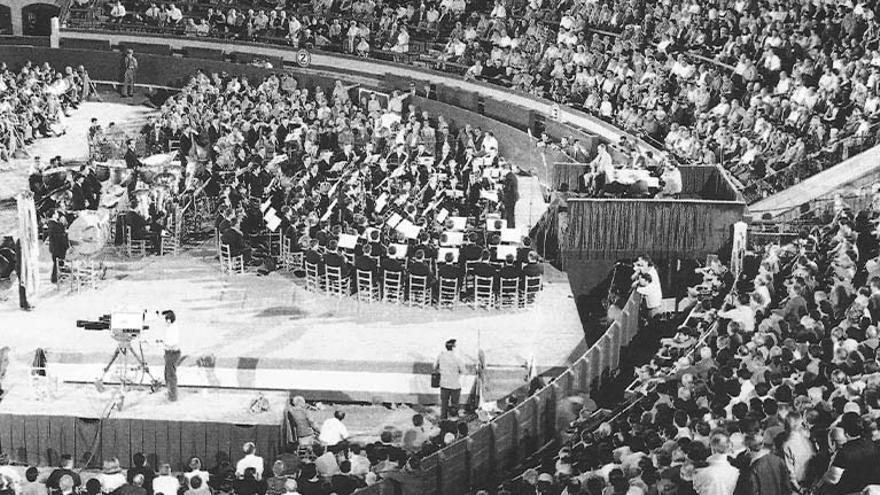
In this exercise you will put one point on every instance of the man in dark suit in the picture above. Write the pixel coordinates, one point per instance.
(332, 258)
(510, 196)
(58, 242)
(234, 238)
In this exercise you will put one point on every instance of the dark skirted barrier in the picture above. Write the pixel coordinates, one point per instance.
(626, 228)
(40, 440)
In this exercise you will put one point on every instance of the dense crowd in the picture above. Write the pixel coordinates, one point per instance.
(772, 91)
(769, 386)
(325, 464)
(33, 101)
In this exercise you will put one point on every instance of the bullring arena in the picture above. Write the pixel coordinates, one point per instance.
(388, 252)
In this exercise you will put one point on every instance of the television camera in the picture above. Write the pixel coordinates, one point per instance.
(125, 328)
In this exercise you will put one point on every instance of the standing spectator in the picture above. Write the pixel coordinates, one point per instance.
(298, 428)
(450, 367)
(172, 355)
(250, 460)
(333, 431)
(129, 71)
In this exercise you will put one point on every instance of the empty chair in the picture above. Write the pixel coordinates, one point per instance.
(508, 293)
(86, 274)
(419, 294)
(367, 290)
(230, 263)
(170, 243)
(530, 288)
(335, 283)
(134, 247)
(392, 286)
(63, 271)
(484, 291)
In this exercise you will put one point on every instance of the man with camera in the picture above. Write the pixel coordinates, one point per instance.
(172, 353)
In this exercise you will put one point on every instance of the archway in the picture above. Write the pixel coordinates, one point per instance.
(36, 19)
(5, 19)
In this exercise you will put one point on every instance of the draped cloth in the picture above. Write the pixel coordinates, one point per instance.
(30, 243)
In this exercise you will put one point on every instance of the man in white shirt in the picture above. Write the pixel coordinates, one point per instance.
(450, 367)
(719, 477)
(165, 483)
(172, 353)
(118, 12)
(250, 460)
(333, 431)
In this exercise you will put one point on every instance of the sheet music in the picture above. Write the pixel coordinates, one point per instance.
(381, 202)
(442, 214)
(510, 236)
(459, 223)
(400, 251)
(503, 250)
(347, 241)
(452, 239)
(489, 195)
(272, 220)
(265, 205)
(408, 229)
(393, 220)
(441, 254)
(495, 224)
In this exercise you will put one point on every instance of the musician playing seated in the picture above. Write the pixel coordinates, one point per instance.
(234, 238)
(449, 269)
(419, 268)
(313, 255)
(390, 264)
(511, 269)
(533, 268)
(470, 250)
(333, 258)
(365, 263)
(483, 268)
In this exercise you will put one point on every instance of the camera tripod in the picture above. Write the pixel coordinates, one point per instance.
(133, 368)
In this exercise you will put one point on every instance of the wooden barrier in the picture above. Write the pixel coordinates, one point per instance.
(486, 456)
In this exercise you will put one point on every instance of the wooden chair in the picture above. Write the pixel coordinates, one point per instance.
(392, 287)
(484, 292)
(530, 288)
(229, 263)
(448, 292)
(134, 247)
(291, 260)
(418, 294)
(367, 290)
(314, 282)
(508, 293)
(335, 283)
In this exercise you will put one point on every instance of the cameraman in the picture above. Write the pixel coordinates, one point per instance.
(172, 353)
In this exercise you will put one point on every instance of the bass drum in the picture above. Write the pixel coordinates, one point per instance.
(89, 233)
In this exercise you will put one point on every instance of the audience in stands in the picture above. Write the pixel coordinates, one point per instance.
(33, 102)
(773, 92)
(768, 386)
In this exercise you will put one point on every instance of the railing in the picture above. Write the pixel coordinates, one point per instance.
(490, 453)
